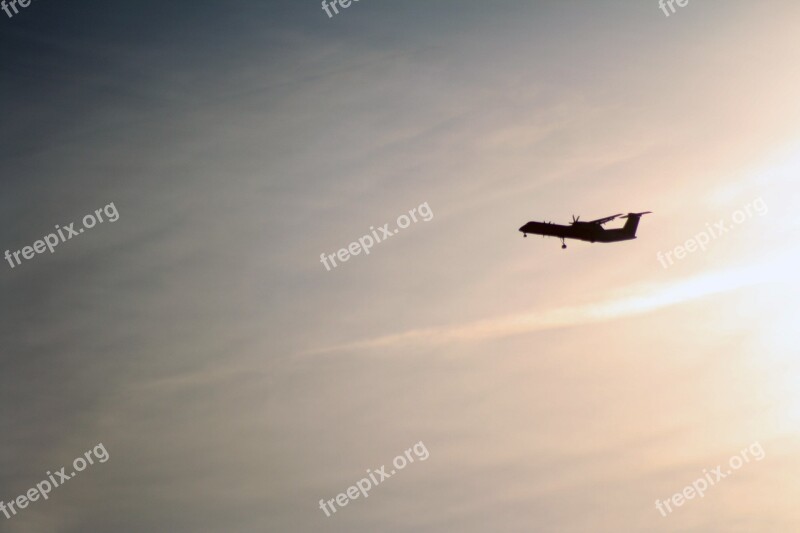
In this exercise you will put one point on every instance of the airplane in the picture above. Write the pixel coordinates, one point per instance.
(592, 231)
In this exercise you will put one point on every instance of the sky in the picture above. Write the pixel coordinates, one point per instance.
(235, 380)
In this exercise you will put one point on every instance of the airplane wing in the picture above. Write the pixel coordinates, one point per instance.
(601, 221)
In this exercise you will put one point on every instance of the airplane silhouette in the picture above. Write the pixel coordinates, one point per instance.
(586, 231)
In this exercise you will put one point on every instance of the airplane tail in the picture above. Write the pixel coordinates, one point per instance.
(632, 224)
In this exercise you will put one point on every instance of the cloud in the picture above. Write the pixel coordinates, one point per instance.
(651, 298)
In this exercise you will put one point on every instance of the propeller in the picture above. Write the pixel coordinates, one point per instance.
(575, 219)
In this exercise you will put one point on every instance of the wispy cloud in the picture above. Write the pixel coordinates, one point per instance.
(651, 297)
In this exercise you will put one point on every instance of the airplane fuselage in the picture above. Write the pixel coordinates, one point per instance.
(580, 231)
(586, 231)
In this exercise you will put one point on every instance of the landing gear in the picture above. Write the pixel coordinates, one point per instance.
(524, 234)
(563, 244)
